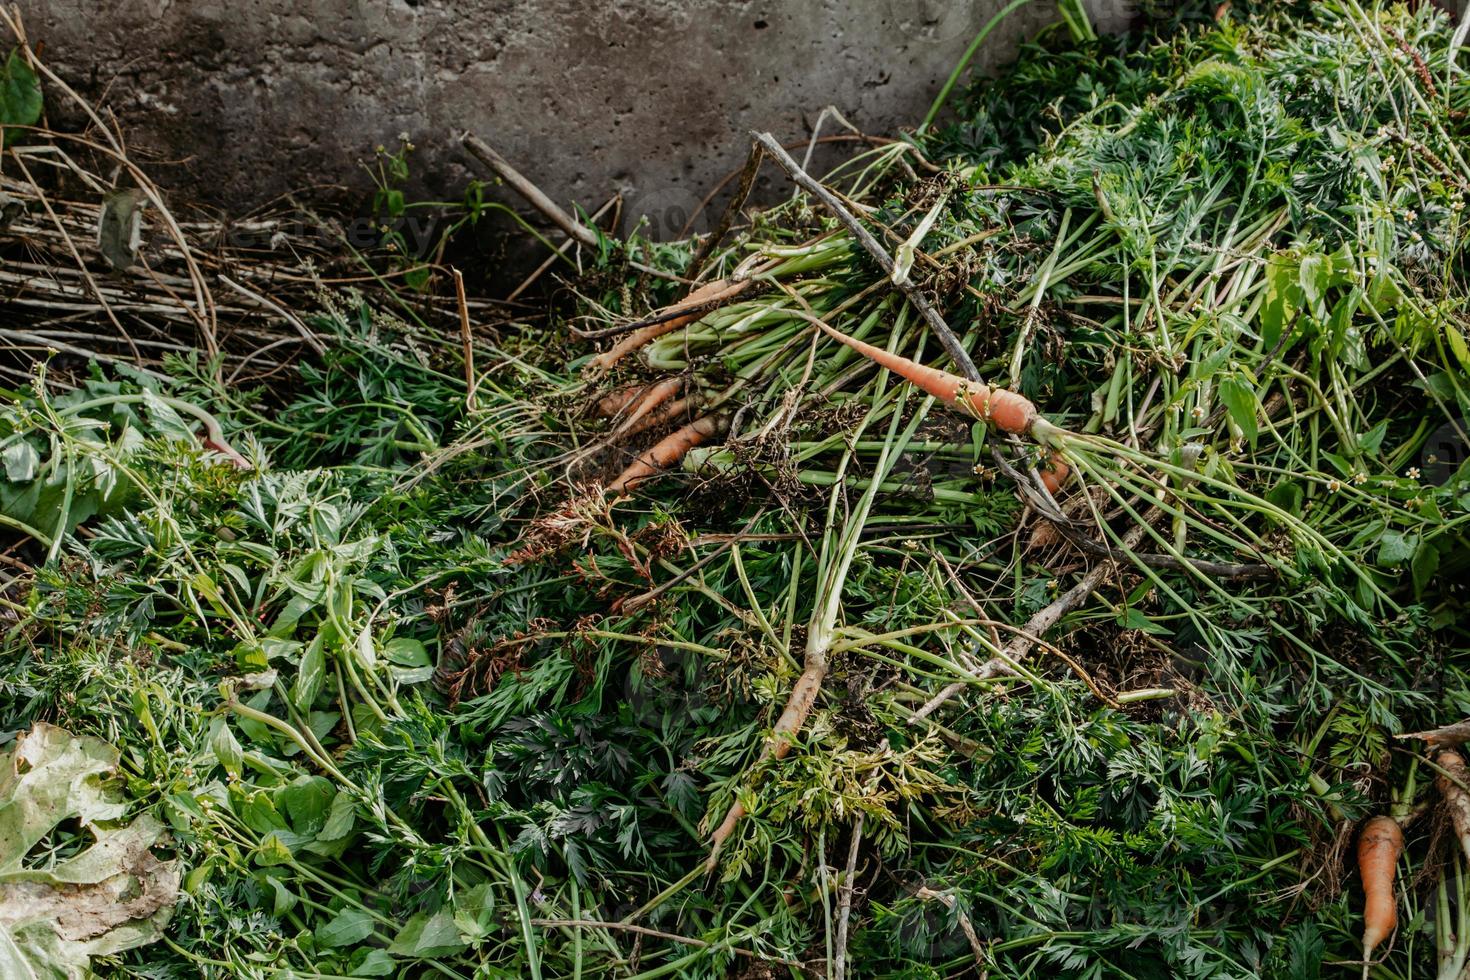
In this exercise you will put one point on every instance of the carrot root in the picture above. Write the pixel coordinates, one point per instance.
(1004, 409)
(701, 299)
(667, 452)
(618, 400)
(653, 396)
(798, 708)
(1457, 801)
(1379, 846)
(1054, 473)
(653, 419)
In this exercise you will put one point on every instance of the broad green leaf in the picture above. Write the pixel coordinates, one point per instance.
(1240, 401)
(1396, 547)
(20, 94)
(428, 936)
(310, 675)
(367, 654)
(1284, 297)
(258, 810)
(1456, 341)
(474, 912)
(1425, 565)
(1288, 495)
(339, 818)
(1313, 276)
(226, 747)
(21, 461)
(377, 963)
(305, 802)
(406, 652)
(345, 928)
(1134, 619)
(285, 899)
(272, 851)
(1371, 441)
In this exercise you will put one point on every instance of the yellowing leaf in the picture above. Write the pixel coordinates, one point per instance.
(109, 896)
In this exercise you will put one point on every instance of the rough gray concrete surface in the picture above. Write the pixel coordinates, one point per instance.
(238, 101)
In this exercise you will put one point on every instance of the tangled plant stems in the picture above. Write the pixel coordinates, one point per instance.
(699, 641)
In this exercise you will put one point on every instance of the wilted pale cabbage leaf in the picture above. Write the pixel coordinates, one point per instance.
(59, 907)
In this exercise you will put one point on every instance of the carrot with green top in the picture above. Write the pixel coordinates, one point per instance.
(1006, 410)
(694, 306)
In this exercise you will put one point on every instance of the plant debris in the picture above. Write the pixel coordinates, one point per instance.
(666, 629)
(63, 901)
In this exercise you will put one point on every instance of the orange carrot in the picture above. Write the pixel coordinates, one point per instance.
(617, 400)
(1054, 473)
(664, 414)
(667, 452)
(798, 706)
(653, 396)
(699, 302)
(1004, 409)
(1379, 847)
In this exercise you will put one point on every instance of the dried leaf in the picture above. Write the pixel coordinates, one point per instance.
(110, 896)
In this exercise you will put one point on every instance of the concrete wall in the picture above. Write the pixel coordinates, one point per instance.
(250, 98)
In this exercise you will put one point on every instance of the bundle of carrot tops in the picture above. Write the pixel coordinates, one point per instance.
(1037, 547)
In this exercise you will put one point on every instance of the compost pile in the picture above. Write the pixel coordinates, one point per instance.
(674, 636)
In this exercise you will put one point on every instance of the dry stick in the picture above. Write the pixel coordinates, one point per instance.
(466, 338)
(306, 335)
(931, 316)
(1077, 668)
(559, 252)
(1449, 735)
(924, 893)
(206, 316)
(76, 256)
(1038, 624)
(533, 194)
(727, 217)
(724, 181)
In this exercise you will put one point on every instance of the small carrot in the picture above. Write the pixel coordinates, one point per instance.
(652, 397)
(667, 452)
(799, 705)
(1054, 473)
(617, 400)
(665, 413)
(698, 303)
(1004, 409)
(1379, 846)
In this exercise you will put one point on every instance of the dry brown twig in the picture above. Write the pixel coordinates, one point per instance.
(1449, 735)
(930, 315)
